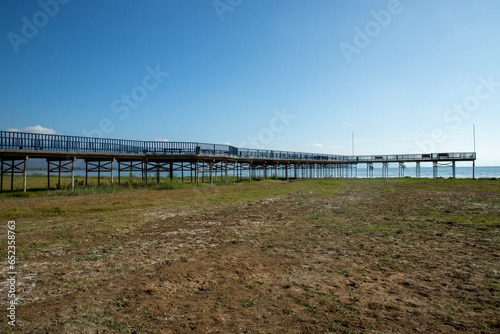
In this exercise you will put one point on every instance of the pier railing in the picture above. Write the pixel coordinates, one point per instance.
(45, 142)
(412, 157)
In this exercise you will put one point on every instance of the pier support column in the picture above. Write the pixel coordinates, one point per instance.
(225, 169)
(112, 170)
(24, 173)
(182, 172)
(98, 174)
(14, 168)
(119, 172)
(73, 174)
(453, 169)
(211, 170)
(402, 169)
(157, 172)
(197, 172)
(90, 166)
(434, 169)
(216, 169)
(235, 171)
(142, 171)
(385, 169)
(203, 172)
(12, 176)
(59, 175)
(417, 169)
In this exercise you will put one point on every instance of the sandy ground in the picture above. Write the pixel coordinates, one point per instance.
(354, 257)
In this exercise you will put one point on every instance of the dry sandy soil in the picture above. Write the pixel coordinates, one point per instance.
(321, 256)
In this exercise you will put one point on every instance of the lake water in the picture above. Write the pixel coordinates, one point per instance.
(460, 172)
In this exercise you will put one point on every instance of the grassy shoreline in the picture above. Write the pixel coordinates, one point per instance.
(37, 184)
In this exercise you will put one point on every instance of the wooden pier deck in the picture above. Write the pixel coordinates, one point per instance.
(192, 159)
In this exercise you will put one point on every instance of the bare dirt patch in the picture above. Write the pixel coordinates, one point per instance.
(354, 256)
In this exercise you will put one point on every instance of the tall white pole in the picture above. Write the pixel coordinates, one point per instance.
(474, 136)
(474, 161)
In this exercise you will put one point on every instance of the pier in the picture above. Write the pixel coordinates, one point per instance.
(200, 162)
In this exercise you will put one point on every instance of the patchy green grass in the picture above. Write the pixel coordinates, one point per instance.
(332, 255)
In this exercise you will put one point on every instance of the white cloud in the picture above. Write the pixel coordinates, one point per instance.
(336, 146)
(318, 145)
(348, 124)
(36, 129)
(159, 139)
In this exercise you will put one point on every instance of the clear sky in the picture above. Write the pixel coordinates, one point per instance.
(404, 76)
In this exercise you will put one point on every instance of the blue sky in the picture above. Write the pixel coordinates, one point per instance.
(404, 76)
